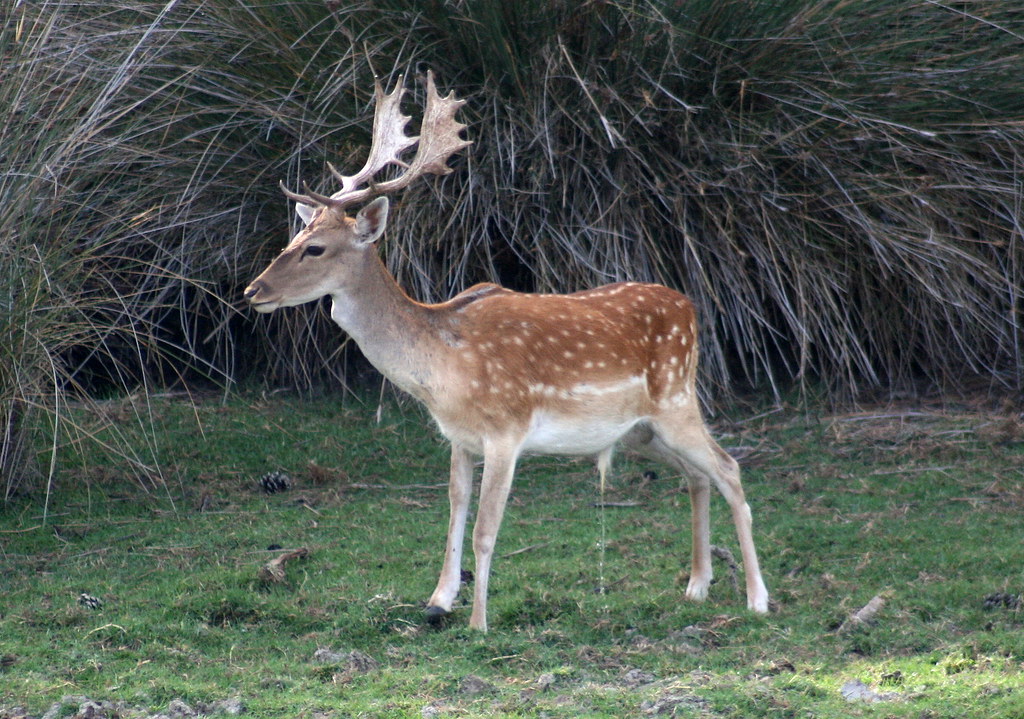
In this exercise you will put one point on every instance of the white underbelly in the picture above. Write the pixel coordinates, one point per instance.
(583, 419)
(553, 434)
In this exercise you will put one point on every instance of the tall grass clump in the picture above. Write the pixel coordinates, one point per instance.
(103, 284)
(141, 146)
(836, 184)
(67, 304)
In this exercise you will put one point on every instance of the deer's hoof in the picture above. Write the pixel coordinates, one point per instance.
(436, 615)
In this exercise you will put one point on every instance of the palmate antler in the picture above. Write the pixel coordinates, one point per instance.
(438, 140)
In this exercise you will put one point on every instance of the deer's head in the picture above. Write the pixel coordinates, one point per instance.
(326, 255)
(322, 259)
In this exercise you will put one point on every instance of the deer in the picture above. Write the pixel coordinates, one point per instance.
(503, 373)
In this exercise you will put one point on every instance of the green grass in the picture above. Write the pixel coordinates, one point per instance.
(923, 507)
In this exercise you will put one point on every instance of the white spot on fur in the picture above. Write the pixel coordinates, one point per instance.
(680, 399)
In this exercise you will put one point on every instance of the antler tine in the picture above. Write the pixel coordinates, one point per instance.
(310, 198)
(316, 196)
(304, 199)
(439, 139)
(388, 143)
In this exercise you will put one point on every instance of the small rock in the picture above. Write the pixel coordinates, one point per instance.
(179, 709)
(472, 685)
(691, 631)
(687, 640)
(231, 707)
(430, 711)
(667, 704)
(56, 710)
(361, 663)
(858, 691)
(326, 656)
(90, 709)
(637, 677)
(354, 662)
(546, 681)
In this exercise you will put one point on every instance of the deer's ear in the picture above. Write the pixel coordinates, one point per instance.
(371, 221)
(305, 212)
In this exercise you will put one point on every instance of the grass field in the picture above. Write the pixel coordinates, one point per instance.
(919, 506)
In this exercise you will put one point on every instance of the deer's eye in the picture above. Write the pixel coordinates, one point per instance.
(313, 251)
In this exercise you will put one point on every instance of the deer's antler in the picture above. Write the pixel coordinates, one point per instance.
(438, 140)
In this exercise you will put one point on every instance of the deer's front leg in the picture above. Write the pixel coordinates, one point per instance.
(460, 491)
(499, 466)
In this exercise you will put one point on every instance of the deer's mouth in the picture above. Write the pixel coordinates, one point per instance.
(264, 306)
(256, 295)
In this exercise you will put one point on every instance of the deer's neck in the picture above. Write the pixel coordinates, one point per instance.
(394, 332)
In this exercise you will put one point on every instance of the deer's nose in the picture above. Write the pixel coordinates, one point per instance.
(252, 290)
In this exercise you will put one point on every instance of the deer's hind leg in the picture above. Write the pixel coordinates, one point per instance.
(680, 438)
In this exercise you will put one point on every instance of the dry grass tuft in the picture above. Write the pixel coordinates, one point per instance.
(836, 184)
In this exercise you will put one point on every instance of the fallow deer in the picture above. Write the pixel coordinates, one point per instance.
(507, 373)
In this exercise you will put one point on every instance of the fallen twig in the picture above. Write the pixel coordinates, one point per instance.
(273, 571)
(362, 485)
(863, 616)
(525, 549)
(726, 556)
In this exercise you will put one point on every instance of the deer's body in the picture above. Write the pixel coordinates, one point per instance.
(566, 373)
(506, 373)
(559, 374)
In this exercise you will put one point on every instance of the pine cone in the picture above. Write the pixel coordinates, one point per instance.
(90, 602)
(274, 482)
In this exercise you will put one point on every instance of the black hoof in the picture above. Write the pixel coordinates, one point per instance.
(436, 615)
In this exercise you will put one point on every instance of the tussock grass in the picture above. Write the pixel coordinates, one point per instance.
(128, 155)
(73, 301)
(836, 184)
